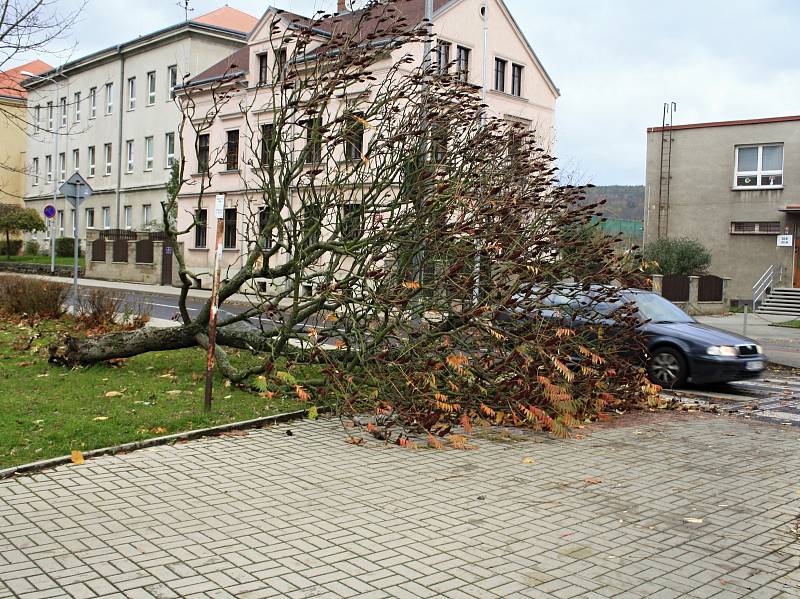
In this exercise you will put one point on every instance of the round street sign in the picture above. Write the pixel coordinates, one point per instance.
(49, 211)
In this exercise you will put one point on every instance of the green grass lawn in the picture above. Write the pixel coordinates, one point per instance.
(48, 411)
(792, 324)
(37, 259)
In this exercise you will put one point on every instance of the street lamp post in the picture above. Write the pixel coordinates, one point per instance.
(53, 166)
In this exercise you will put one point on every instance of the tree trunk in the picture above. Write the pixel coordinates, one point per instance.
(73, 351)
(8, 246)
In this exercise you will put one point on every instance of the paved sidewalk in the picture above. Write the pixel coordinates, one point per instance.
(782, 344)
(307, 515)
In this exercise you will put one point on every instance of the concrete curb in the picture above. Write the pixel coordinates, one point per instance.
(34, 467)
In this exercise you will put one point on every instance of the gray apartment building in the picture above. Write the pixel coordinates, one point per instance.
(734, 186)
(111, 117)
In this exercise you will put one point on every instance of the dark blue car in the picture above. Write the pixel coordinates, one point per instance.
(679, 348)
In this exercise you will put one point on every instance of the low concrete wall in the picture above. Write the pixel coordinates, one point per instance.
(131, 271)
(40, 269)
(694, 306)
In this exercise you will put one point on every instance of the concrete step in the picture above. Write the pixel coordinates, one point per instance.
(779, 312)
(777, 301)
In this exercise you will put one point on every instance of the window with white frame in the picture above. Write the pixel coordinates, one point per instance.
(106, 217)
(90, 159)
(107, 156)
(62, 110)
(62, 166)
(147, 215)
(48, 167)
(151, 88)
(109, 98)
(38, 117)
(500, 74)
(89, 218)
(169, 147)
(759, 166)
(93, 103)
(462, 63)
(129, 156)
(172, 80)
(443, 57)
(77, 100)
(132, 93)
(60, 222)
(148, 153)
(516, 79)
(76, 160)
(35, 171)
(72, 223)
(50, 116)
(127, 215)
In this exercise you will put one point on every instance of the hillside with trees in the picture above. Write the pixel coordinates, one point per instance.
(622, 201)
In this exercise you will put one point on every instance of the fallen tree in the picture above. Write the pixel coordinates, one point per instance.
(398, 236)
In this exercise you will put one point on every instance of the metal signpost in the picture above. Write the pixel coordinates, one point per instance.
(75, 190)
(219, 213)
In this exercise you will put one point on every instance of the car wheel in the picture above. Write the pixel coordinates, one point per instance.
(667, 367)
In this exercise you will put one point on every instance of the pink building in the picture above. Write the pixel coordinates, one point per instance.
(478, 39)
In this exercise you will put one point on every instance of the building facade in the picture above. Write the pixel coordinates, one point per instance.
(13, 129)
(111, 117)
(734, 186)
(478, 38)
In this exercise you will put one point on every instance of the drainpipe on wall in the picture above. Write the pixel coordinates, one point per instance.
(485, 15)
(121, 104)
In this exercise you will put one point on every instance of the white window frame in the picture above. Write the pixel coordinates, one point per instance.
(48, 167)
(77, 107)
(62, 108)
(62, 166)
(106, 217)
(146, 214)
(129, 155)
(107, 157)
(90, 160)
(35, 171)
(759, 172)
(89, 221)
(93, 103)
(172, 81)
(127, 213)
(76, 160)
(50, 110)
(131, 93)
(151, 88)
(148, 153)
(38, 117)
(109, 98)
(169, 140)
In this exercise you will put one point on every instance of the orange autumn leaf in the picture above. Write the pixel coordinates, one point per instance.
(434, 442)
(411, 284)
(466, 423)
(76, 457)
(302, 394)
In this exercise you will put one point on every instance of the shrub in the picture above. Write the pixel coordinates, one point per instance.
(65, 247)
(98, 306)
(680, 256)
(32, 297)
(12, 248)
(31, 247)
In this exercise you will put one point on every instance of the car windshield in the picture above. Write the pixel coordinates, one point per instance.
(655, 308)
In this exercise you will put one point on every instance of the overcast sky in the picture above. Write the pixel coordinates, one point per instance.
(615, 61)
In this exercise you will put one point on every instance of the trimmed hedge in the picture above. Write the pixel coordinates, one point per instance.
(64, 247)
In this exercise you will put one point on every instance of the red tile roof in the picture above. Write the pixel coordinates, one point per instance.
(774, 119)
(10, 80)
(229, 18)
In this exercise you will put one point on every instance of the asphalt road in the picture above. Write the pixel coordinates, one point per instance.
(775, 397)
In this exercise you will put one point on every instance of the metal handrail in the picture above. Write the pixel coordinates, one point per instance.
(766, 282)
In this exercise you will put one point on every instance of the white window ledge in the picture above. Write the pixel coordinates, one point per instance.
(757, 188)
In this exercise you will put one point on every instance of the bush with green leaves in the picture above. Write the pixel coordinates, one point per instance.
(65, 247)
(680, 256)
(11, 247)
(15, 220)
(31, 247)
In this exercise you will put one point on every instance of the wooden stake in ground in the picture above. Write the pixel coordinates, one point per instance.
(219, 213)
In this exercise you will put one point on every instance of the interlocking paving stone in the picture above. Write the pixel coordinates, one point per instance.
(268, 515)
